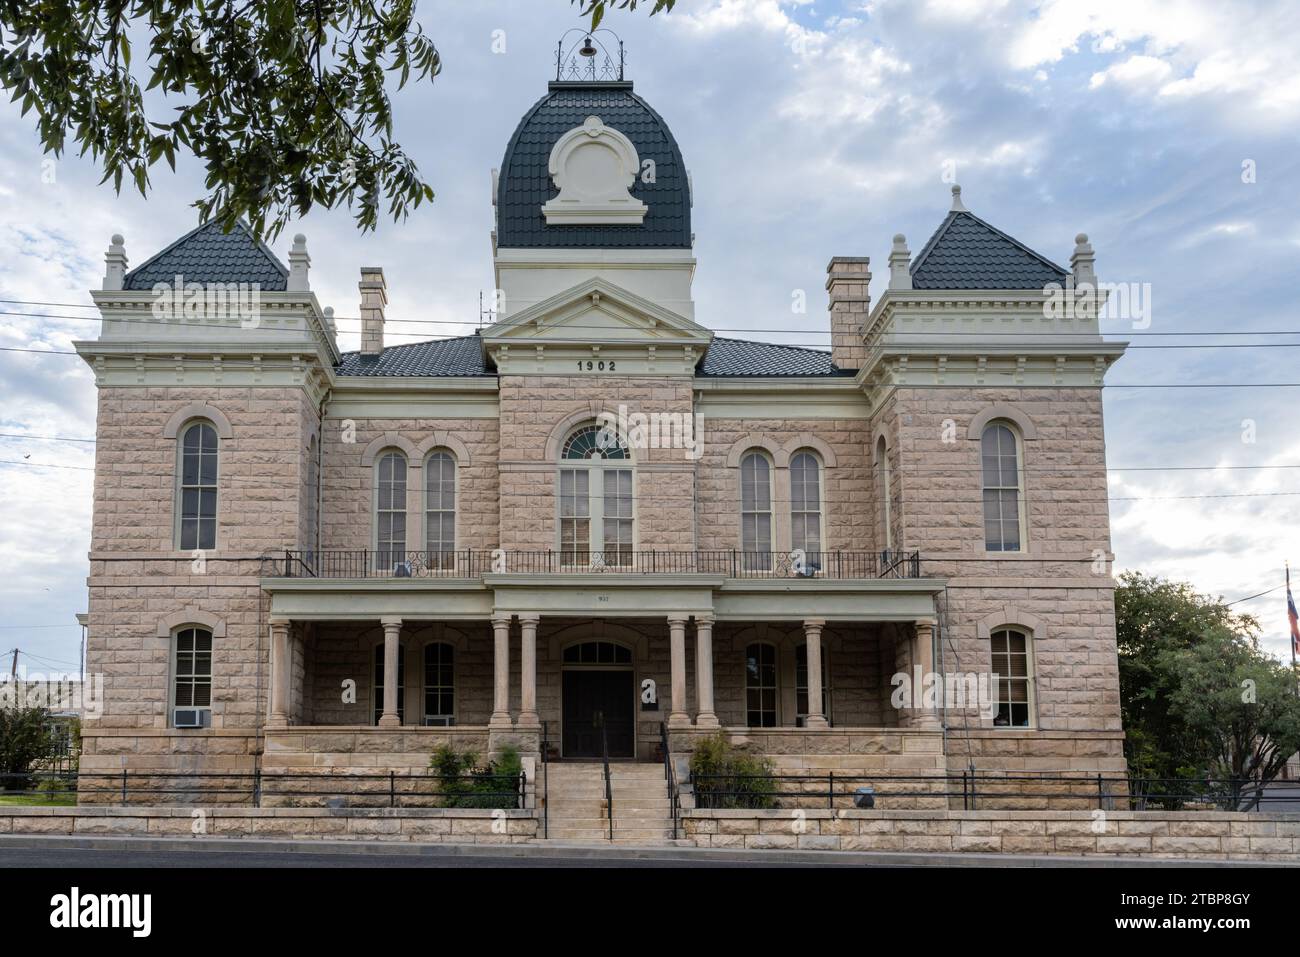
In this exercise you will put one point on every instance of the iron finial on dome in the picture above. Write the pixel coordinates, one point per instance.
(584, 56)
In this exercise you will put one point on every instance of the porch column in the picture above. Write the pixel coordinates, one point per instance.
(392, 670)
(501, 672)
(678, 717)
(923, 658)
(281, 672)
(704, 718)
(528, 672)
(812, 632)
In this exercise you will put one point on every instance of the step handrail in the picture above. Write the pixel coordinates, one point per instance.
(670, 778)
(609, 791)
(546, 784)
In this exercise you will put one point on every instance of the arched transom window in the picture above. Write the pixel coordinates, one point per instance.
(197, 490)
(596, 499)
(1004, 517)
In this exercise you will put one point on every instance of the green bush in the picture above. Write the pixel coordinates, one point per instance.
(728, 777)
(462, 783)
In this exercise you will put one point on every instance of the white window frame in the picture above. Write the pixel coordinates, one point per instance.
(375, 510)
(174, 668)
(596, 468)
(1031, 697)
(446, 720)
(444, 560)
(775, 687)
(181, 487)
(1018, 488)
(756, 558)
(821, 505)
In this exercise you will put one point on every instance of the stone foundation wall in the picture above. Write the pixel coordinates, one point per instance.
(1198, 835)
(424, 825)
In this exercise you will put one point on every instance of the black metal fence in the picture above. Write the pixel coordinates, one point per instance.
(730, 563)
(983, 790)
(478, 789)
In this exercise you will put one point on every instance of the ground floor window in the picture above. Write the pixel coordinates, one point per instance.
(1011, 665)
(801, 685)
(380, 678)
(439, 684)
(760, 685)
(193, 668)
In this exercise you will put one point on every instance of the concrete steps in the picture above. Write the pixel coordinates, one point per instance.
(578, 811)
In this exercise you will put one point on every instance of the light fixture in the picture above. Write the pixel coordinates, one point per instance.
(587, 49)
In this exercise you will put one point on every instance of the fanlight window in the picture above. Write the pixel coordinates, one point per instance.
(597, 653)
(593, 441)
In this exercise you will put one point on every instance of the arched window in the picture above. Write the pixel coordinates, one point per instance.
(390, 510)
(756, 511)
(596, 499)
(1011, 662)
(1004, 517)
(886, 491)
(760, 685)
(806, 505)
(439, 684)
(801, 685)
(197, 490)
(440, 509)
(192, 677)
(378, 699)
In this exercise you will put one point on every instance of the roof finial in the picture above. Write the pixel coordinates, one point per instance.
(299, 264)
(957, 205)
(900, 277)
(115, 263)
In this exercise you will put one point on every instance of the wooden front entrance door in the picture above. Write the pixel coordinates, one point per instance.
(593, 697)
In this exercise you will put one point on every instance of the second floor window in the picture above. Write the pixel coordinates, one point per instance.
(440, 509)
(806, 505)
(390, 509)
(1003, 499)
(198, 487)
(756, 510)
(596, 499)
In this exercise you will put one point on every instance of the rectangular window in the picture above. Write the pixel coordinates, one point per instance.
(1011, 665)
(756, 512)
(198, 491)
(618, 517)
(440, 511)
(806, 506)
(1002, 503)
(575, 516)
(193, 668)
(439, 685)
(391, 512)
(760, 686)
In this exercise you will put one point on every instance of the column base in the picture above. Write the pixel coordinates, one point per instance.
(530, 720)
(389, 721)
(706, 719)
(679, 719)
(815, 722)
(277, 722)
(500, 720)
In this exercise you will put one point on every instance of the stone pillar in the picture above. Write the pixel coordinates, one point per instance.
(501, 672)
(705, 717)
(923, 659)
(528, 717)
(677, 717)
(392, 670)
(281, 672)
(812, 632)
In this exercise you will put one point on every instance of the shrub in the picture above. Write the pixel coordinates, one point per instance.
(728, 777)
(463, 784)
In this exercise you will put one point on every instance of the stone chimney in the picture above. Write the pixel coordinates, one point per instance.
(299, 263)
(1081, 262)
(900, 260)
(374, 296)
(115, 263)
(847, 281)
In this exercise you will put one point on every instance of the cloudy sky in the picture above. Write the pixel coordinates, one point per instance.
(811, 129)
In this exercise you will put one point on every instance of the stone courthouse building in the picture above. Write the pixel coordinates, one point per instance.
(594, 515)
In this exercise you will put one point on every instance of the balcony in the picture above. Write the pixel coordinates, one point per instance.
(469, 564)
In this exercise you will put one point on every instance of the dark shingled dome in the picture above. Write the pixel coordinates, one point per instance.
(967, 253)
(208, 255)
(525, 184)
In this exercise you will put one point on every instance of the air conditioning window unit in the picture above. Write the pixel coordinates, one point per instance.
(191, 718)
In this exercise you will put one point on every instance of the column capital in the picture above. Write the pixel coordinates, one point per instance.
(529, 618)
(924, 626)
(499, 621)
(813, 626)
(391, 621)
(704, 621)
(679, 620)
(280, 622)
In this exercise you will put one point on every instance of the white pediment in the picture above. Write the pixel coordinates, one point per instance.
(597, 319)
(594, 167)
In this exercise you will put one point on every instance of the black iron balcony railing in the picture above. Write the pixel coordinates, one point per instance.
(467, 563)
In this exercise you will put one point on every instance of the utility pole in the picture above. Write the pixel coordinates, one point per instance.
(13, 669)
